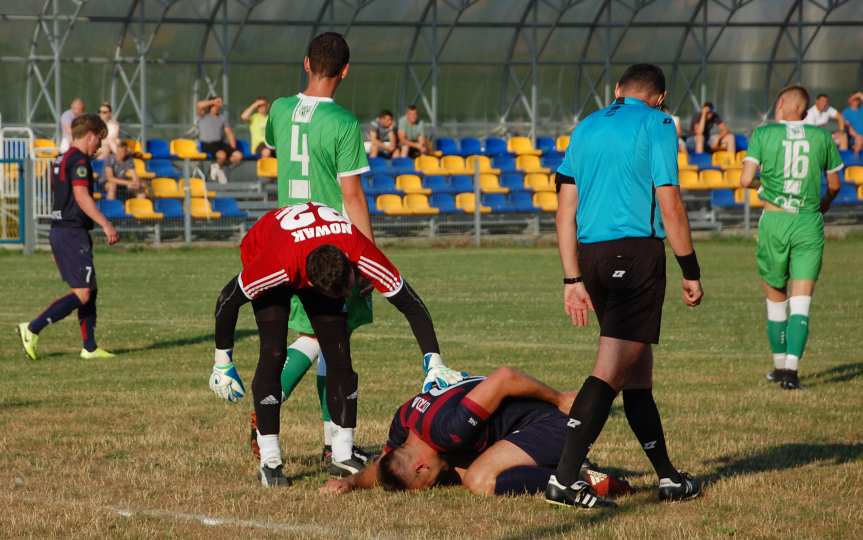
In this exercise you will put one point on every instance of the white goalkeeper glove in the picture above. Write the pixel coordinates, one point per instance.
(225, 381)
(437, 374)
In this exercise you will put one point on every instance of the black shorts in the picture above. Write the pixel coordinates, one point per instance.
(626, 282)
(73, 254)
(542, 437)
(213, 147)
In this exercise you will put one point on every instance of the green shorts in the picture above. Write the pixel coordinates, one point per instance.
(790, 246)
(359, 310)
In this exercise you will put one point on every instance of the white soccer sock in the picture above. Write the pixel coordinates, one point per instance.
(329, 429)
(222, 356)
(271, 454)
(778, 312)
(343, 443)
(309, 346)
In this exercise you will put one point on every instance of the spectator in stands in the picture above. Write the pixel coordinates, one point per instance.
(821, 113)
(256, 116)
(120, 176)
(681, 143)
(853, 116)
(702, 126)
(412, 134)
(216, 134)
(382, 137)
(76, 109)
(112, 140)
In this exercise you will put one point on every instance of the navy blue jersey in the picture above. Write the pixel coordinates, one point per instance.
(69, 170)
(448, 421)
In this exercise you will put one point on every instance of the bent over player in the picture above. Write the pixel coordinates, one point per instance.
(792, 157)
(311, 251)
(73, 214)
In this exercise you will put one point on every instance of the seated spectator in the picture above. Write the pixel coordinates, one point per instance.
(853, 116)
(120, 176)
(256, 116)
(820, 114)
(382, 137)
(76, 109)
(112, 140)
(681, 143)
(412, 134)
(217, 136)
(703, 124)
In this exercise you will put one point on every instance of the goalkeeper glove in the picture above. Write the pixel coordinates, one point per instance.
(226, 382)
(437, 374)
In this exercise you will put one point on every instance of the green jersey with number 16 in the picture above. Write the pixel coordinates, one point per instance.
(793, 157)
(317, 142)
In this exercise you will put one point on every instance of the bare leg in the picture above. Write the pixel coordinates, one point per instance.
(482, 474)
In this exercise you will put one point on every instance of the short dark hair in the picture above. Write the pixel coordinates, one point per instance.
(799, 91)
(822, 95)
(412, 107)
(388, 477)
(330, 271)
(386, 112)
(88, 123)
(647, 77)
(709, 105)
(328, 54)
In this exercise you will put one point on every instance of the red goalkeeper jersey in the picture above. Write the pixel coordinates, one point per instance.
(274, 250)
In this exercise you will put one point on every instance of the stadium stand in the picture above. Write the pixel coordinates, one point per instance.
(392, 205)
(165, 188)
(228, 207)
(513, 181)
(138, 150)
(546, 145)
(495, 146)
(547, 201)
(159, 149)
(45, 148)
(562, 143)
(171, 208)
(522, 146)
(490, 183)
(467, 203)
(142, 209)
(411, 183)
(429, 165)
(462, 184)
(484, 164)
(186, 149)
(447, 146)
(454, 164)
(418, 204)
(531, 164)
(267, 167)
(197, 187)
(113, 209)
(444, 202)
(470, 146)
(201, 209)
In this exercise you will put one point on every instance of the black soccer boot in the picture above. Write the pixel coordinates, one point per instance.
(687, 488)
(272, 476)
(579, 495)
(790, 381)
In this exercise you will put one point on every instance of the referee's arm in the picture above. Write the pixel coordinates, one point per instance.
(676, 224)
(576, 300)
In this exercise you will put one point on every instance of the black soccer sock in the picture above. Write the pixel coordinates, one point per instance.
(87, 321)
(643, 417)
(267, 386)
(586, 419)
(521, 480)
(228, 307)
(342, 380)
(55, 312)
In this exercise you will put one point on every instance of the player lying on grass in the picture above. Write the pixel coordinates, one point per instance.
(311, 251)
(502, 435)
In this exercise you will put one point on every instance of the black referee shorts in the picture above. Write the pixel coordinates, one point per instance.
(626, 282)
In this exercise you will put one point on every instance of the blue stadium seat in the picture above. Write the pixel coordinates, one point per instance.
(366, 181)
(505, 163)
(172, 208)
(98, 166)
(702, 161)
(228, 207)
(159, 148)
(740, 142)
(383, 184)
(497, 202)
(495, 146)
(847, 196)
(850, 158)
(722, 198)
(513, 180)
(447, 146)
(438, 184)
(470, 146)
(444, 202)
(373, 205)
(402, 165)
(545, 145)
(244, 147)
(378, 164)
(552, 161)
(164, 168)
(521, 201)
(462, 183)
(113, 209)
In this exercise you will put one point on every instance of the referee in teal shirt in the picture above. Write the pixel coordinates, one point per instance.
(618, 199)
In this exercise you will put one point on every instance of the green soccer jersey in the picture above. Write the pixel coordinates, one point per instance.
(317, 142)
(793, 156)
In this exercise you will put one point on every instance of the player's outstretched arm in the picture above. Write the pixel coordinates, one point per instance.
(747, 177)
(88, 206)
(506, 382)
(676, 224)
(367, 478)
(833, 187)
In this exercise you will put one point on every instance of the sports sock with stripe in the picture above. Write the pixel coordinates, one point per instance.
(798, 330)
(300, 355)
(644, 420)
(57, 311)
(777, 322)
(586, 419)
(87, 321)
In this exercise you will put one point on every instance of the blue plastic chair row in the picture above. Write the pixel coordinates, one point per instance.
(172, 208)
(161, 149)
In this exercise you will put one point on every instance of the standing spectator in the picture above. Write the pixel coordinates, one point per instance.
(853, 116)
(412, 134)
(120, 176)
(217, 136)
(256, 116)
(820, 114)
(704, 123)
(383, 137)
(76, 109)
(112, 141)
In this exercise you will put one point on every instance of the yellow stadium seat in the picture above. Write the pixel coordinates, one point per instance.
(562, 143)
(45, 148)
(429, 165)
(490, 183)
(186, 149)
(683, 162)
(467, 202)
(522, 146)
(455, 165)
(418, 204)
(732, 178)
(739, 157)
(392, 205)
(484, 165)
(860, 193)
(411, 183)
(142, 209)
(854, 174)
(711, 179)
(142, 171)
(97, 196)
(723, 159)
(136, 148)
(754, 200)
(546, 201)
(11, 172)
(530, 164)
(165, 188)
(268, 167)
(197, 186)
(201, 209)
(538, 182)
(689, 180)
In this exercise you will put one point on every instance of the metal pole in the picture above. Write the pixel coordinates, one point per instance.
(142, 78)
(224, 46)
(747, 226)
(434, 67)
(534, 73)
(29, 218)
(607, 74)
(55, 46)
(800, 42)
(703, 74)
(187, 202)
(477, 207)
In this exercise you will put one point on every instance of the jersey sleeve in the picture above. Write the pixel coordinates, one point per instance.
(79, 173)
(459, 427)
(269, 139)
(753, 153)
(376, 267)
(351, 152)
(662, 138)
(834, 160)
(398, 433)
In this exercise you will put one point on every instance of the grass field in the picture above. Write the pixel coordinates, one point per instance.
(139, 447)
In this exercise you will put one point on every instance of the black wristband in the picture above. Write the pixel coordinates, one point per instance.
(572, 280)
(689, 266)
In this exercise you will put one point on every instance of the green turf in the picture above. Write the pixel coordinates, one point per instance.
(82, 440)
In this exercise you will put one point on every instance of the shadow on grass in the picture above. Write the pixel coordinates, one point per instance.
(782, 457)
(580, 519)
(183, 342)
(841, 373)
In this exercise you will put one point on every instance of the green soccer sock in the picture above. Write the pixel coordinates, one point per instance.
(777, 322)
(797, 331)
(300, 355)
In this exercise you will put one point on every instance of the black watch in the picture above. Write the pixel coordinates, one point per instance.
(572, 280)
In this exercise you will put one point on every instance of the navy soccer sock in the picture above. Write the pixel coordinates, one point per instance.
(87, 320)
(521, 480)
(586, 419)
(643, 417)
(55, 312)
